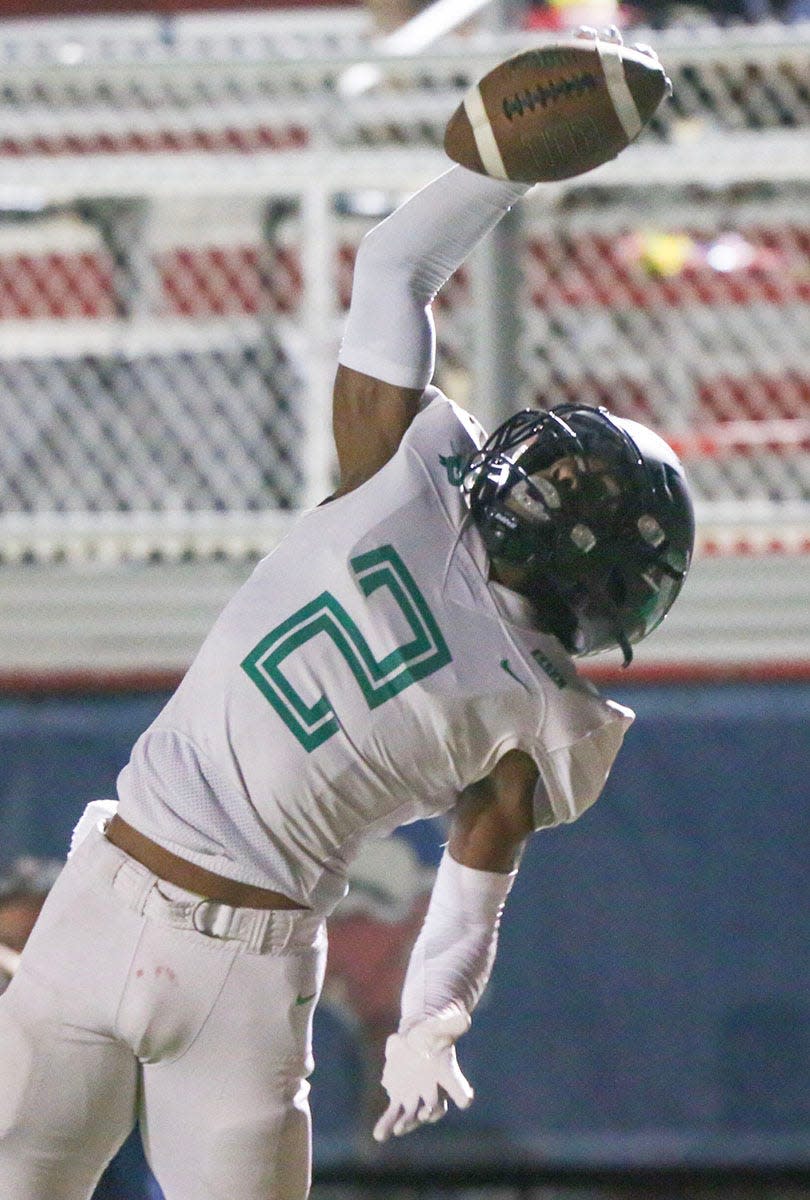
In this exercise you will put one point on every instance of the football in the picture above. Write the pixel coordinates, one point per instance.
(556, 111)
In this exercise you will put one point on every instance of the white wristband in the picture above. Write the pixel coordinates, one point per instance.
(452, 959)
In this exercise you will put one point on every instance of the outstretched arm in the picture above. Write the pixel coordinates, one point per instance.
(388, 351)
(454, 953)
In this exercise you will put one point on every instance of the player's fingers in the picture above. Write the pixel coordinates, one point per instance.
(429, 1115)
(404, 1126)
(456, 1084)
(385, 1126)
(407, 1119)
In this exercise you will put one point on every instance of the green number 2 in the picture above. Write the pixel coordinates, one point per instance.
(426, 652)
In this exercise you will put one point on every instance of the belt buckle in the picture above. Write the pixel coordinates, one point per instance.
(212, 919)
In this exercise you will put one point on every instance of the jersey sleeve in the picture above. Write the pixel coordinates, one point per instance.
(573, 773)
(440, 419)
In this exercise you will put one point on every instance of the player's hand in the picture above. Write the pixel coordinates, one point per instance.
(420, 1073)
(612, 34)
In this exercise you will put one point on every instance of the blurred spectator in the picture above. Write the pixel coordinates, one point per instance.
(563, 15)
(23, 889)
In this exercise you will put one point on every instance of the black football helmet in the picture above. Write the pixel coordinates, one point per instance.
(596, 510)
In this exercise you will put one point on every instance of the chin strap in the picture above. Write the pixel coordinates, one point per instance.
(625, 647)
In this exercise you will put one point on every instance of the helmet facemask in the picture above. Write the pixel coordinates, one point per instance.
(597, 520)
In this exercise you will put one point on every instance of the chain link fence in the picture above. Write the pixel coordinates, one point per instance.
(180, 206)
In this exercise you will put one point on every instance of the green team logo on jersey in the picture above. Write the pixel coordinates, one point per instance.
(456, 467)
(378, 680)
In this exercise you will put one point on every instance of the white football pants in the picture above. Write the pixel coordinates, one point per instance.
(136, 1000)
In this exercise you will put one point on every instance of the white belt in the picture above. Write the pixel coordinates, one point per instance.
(259, 930)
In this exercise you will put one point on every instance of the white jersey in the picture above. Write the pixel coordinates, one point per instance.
(362, 677)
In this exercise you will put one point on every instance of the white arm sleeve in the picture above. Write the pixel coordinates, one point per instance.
(453, 955)
(402, 263)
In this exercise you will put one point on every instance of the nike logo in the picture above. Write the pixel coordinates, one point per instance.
(505, 666)
(305, 999)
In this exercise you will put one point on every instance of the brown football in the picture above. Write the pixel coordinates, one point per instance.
(556, 111)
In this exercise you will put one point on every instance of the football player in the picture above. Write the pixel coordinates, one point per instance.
(408, 650)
